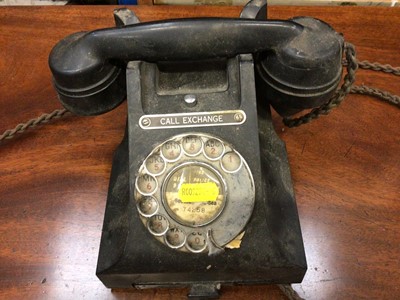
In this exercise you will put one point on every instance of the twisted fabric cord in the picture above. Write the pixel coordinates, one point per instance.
(366, 65)
(9, 134)
(371, 91)
(381, 94)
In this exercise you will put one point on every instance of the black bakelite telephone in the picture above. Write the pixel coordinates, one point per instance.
(200, 192)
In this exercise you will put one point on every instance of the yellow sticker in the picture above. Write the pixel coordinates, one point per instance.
(198, 192)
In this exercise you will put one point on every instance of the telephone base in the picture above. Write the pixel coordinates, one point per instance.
(271, 252)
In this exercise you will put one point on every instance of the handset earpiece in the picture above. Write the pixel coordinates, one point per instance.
(85, 86)
(305, 72)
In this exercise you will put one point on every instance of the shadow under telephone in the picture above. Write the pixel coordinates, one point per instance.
(200, 191)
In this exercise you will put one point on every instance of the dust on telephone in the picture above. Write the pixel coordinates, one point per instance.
(195, 199)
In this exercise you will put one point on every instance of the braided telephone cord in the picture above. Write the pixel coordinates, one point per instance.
(365, 64)
(352, 64)
(381, 94)
(9, 134)
(378, 93)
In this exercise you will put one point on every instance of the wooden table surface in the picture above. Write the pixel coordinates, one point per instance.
(54, 180)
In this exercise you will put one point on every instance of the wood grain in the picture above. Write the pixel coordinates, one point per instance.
(53, 181)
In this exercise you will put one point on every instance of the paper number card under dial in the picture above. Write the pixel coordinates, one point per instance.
(194, 193)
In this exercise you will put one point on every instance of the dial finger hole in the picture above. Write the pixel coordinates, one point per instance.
(175, 237)
(157, 225)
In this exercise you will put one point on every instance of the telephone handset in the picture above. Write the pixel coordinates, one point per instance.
(298, 61)
(200, 191)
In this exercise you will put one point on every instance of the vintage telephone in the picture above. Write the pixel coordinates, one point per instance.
(200, 192)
